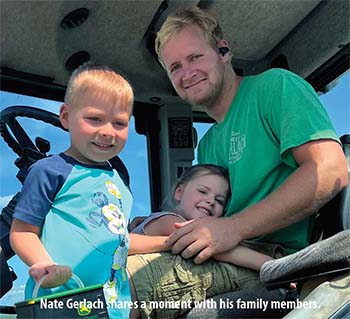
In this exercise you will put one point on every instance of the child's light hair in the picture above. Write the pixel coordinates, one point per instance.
(177, 21)
(102, 82)
(170, 204)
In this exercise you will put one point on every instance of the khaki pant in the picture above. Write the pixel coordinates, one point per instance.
(167, 285)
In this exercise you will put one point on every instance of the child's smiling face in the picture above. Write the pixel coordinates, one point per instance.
(204, 195)
(98, 128)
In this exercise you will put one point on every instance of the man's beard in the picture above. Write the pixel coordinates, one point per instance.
(209, 99)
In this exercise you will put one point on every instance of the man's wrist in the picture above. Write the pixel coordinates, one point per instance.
(239, 229)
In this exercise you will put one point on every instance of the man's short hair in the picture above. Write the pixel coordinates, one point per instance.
(177, 21)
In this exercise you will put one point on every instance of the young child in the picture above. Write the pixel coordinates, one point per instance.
(73, 210)
(202, 191)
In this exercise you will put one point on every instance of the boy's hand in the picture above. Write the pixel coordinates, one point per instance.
(57, 275)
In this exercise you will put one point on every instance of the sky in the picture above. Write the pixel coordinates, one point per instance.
(134, 155)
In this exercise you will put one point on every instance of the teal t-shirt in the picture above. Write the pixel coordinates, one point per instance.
(271, 113)
(83, 212)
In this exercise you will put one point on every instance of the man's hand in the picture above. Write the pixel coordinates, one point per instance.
(204, 236)
(57, 275)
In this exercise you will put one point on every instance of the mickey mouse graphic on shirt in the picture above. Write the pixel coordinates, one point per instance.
(111, 216)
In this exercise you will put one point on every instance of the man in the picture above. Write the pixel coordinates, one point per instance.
(271, 132)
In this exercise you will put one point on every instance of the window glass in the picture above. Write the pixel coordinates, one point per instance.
(201, 128)
(337, 104)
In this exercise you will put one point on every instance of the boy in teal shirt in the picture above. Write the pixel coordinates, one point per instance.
(72, 214)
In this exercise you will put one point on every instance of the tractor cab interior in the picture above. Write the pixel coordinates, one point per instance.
(42, 42)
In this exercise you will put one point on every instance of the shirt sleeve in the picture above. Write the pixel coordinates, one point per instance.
(40, 187)
(140, 229)
(297, 115)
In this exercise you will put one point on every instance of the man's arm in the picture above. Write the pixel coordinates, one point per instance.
(321, 174)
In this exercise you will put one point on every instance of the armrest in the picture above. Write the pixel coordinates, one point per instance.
(328, 256)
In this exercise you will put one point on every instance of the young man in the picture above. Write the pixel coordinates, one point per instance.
(282, 153)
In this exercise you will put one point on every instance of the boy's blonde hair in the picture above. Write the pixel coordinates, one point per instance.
(100, 81)
(177, 21)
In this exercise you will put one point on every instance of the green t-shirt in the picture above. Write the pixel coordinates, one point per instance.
(271, 113)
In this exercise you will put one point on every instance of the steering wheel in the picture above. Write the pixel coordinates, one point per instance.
(16, 138)
(28, 152)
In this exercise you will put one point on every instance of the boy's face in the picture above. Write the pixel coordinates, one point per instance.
(98, 129)
(205, 195)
